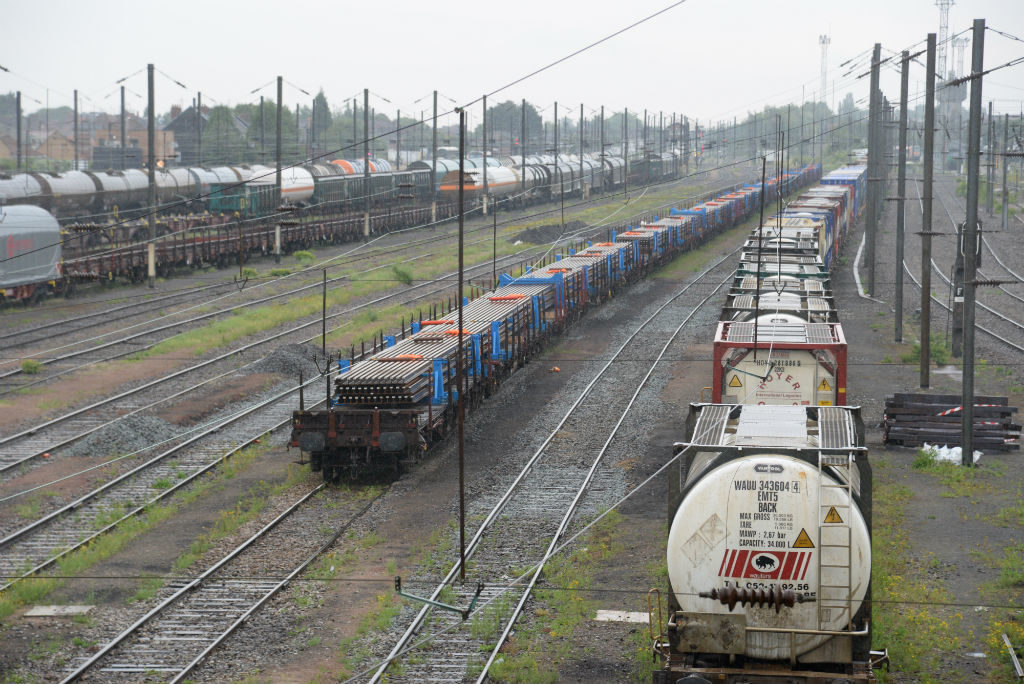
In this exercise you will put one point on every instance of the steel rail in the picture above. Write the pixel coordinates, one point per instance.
(281, 585)
(18, 534)
(190, 586)
(162, 328)
(105, 314)
(86, 498)
(401, 646)
(376, 252)
(227, 354)
(77, 412)
(942, 304)
(979, 304)
(571, 510)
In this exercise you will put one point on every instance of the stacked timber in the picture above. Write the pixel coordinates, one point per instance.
(913, 419)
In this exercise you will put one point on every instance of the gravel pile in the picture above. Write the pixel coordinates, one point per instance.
(289, 360)
(126, 436)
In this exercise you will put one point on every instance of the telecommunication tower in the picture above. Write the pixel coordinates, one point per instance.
(824, 41)
(943, 6)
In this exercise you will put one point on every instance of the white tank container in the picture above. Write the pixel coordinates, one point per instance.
(756, 522)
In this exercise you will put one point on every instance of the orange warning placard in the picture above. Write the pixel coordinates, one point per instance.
(833, 516)
(803, 541)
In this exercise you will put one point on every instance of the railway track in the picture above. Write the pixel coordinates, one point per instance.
(526, 524)
(38, 545)
(12, 340)
(63, 357)
(64, 362)
(981, 306)
(184, 629)
(28, 445)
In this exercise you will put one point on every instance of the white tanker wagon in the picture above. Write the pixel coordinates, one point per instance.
(769, 548)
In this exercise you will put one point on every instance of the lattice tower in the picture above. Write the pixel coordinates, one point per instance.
(943, 6)
(824, 41)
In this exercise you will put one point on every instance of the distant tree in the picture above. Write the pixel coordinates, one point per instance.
(321, 118)
(223, 142)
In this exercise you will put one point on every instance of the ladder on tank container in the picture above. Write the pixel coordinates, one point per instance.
(835, 541)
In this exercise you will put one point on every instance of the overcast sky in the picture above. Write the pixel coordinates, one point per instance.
(709, 59)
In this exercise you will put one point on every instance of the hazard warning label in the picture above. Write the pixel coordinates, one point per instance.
(735, 382)
(803, 541)
(833, 516)
(823, 386)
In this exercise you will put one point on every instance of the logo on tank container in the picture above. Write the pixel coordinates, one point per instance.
(765, 565)
(768, 468)
(16, 246)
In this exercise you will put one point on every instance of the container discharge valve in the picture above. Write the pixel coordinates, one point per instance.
(730, 596)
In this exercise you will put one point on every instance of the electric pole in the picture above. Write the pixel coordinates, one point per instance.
(75, 123)
(17, 125)
(366, 161)
(522, 143)
(199, 136)
(485, 154)
(433, 165)
(277, 151)
(1006, 162)
(991, 165)
(926, 218)
(969, 246)
(151, 117)
(901, 185)
(875, 144)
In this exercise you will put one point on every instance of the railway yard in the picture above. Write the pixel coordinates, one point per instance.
(339, 615)
(562, 403)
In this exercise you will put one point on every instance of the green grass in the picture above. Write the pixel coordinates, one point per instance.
(402, 275)
(303, 256)
(1012, 515)
(371, 539)
(148, 587)
(916, 633)
(563, 608)
(230, 520)
(30, 509)
(278, 272)
(959, 480)
(1011, 567)
(30, 366)
(352, 657)
(940, 352)
(33, 589)
(248, 272)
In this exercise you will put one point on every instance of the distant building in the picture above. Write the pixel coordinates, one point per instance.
(106, 151)
(8, 147)
(57, 147)
(186, 127)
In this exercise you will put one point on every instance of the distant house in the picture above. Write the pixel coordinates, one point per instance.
(8, 147)
(186, 127)
(107, 147)
(57, 147)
